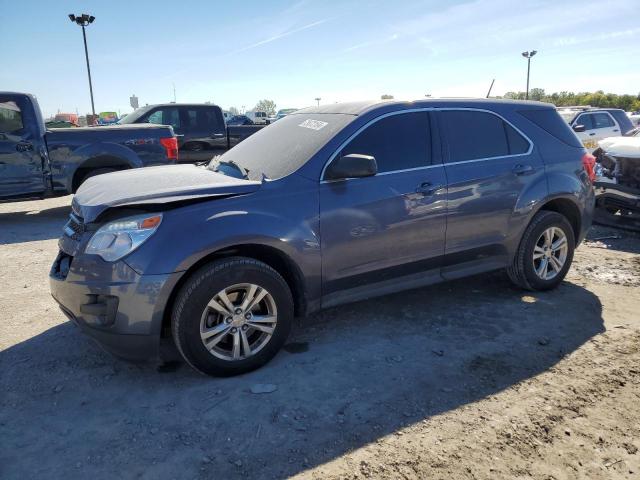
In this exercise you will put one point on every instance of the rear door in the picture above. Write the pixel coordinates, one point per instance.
(20, 163)
(488, 164)
(385, 228)
(204, 131)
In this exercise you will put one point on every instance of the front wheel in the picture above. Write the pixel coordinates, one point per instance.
(232, 316)
(545, 252)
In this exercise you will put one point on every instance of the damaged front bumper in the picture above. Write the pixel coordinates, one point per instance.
(111, 302)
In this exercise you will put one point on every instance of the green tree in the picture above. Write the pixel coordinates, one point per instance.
(537, 94)
(265, 105)
(595, 99)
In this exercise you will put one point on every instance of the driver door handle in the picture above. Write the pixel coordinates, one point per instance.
(427, 189)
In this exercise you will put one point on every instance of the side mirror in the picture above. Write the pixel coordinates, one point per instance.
(351, 166)
(578, 128)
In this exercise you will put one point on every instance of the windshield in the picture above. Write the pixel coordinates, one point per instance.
(134, 116)
(284, 146)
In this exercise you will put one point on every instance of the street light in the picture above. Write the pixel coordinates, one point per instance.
(318, 100)
(84, 20)
(528, 56)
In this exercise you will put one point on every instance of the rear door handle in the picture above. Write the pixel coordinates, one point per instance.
(591, 134)
(427, 189)
(616, 130)
(523, 169)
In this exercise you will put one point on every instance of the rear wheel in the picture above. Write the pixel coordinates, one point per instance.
(545, 252)
(232, 316)
(95, 173)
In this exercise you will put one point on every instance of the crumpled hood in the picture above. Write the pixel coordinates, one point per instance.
(154, 185)
(628, 147)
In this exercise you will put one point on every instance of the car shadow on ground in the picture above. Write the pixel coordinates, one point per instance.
(32, 225)
(360, 372)
(615, 238)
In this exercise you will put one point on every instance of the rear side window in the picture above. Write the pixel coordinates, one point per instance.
(10, 118)
(622, 119)
(476, 135)
(549, 120)
(397, 142)
(602, 120)
(203, 120)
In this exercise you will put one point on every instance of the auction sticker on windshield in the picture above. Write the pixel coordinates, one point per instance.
(313, 124)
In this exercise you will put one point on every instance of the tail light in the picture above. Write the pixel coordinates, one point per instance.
(589, 164)
(170, 144)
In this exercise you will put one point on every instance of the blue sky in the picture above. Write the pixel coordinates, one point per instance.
(235, 53)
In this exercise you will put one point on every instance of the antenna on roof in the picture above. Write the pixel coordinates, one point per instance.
(490, 87)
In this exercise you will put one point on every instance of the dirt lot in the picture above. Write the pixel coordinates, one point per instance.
(470, 379)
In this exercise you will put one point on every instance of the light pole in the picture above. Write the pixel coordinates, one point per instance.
(318, 100)
(528, 56)
(84, 20)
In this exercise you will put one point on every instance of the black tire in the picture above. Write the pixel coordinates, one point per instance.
(95, 173)
(522, 272)
(201, 287)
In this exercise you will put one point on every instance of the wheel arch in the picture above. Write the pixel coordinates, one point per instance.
(567, 208)
(272, 256)
(95, 163)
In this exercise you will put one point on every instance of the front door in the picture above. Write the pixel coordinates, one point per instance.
(20, 163)
(489, 164)
(389, 228)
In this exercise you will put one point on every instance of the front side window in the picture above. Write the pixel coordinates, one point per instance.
(155, 117)
(397, 142)
(475, 135)
(586, 120)
(602, 120)
(10, 118)
(165, 116)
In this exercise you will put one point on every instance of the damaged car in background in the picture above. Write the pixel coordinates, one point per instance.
(618, 180)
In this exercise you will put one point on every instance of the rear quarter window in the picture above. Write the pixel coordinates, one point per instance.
(552, 123)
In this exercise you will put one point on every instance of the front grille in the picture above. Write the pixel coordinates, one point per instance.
(74, 228)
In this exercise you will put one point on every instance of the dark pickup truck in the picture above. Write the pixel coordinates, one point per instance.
(36, 162)
(200, 128)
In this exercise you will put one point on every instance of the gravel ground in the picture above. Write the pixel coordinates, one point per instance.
(469, 379)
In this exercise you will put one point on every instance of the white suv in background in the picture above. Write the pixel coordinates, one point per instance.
(593, 125)
(259, 118)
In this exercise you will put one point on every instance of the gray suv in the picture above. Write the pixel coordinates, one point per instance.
(328, 205)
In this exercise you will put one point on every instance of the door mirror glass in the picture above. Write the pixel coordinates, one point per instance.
(351, 166)
(578, 128)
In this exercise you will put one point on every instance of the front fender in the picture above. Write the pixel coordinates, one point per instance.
(189, 234)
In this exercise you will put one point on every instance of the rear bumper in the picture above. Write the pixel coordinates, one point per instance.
(112, 304)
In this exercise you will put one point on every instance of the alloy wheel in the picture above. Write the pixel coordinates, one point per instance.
(550, 253)
(238, 321)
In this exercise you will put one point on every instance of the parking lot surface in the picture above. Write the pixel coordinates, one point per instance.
(467, 379)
